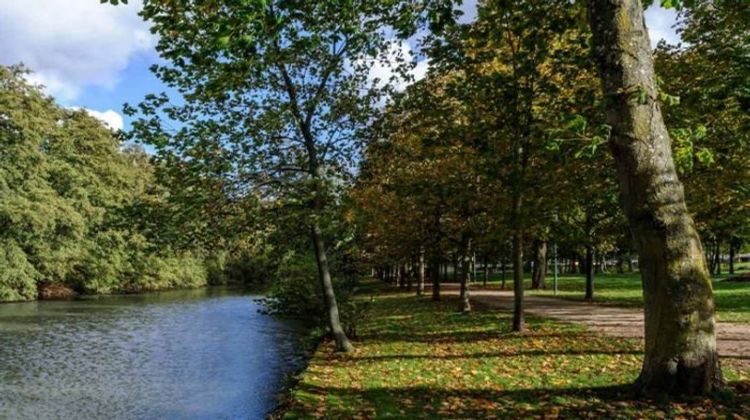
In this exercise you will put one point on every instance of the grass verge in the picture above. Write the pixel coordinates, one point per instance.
(732, 298)
(421, 359)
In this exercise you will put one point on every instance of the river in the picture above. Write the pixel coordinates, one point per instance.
(204, 354)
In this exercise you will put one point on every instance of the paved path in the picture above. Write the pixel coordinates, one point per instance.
(733, 338)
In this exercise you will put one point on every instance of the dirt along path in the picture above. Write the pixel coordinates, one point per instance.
(733, 339)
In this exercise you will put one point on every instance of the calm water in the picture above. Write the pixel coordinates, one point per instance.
(194, 354)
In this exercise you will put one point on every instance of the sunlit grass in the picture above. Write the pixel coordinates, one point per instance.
(732, 298)
(421, 359)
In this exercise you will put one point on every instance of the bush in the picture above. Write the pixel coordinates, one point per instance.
(296, 293)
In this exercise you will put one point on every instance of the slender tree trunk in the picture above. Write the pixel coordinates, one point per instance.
(435, 281)
(680, 339)
(455, 269)
(485, 272)
(618, 265)
(518, 322)
(589, 272)
(718, 257)
(581, 265)
(731, 256)
(502, 268)
(464, 292)
(420, 282)
(342, 342)
(630, 263)
(539, 275)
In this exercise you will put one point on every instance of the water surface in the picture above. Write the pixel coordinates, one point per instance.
(188, 354)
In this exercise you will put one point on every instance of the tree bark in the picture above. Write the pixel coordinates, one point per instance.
(731, 256)
(334, 322)
(589, 272)
(680, 340)
(540, 265)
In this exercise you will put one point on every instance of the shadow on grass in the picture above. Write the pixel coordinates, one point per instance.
(593, 402)
(483, 355)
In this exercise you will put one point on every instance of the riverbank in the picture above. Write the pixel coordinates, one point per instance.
(416, 358)
(64, 293)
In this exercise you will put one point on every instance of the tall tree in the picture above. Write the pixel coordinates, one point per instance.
(274, 91)
(680, 352)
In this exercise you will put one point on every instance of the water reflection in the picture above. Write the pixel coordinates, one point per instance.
(196, 354)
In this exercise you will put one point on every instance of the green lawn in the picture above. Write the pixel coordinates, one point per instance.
(420, 359)
(732, 299)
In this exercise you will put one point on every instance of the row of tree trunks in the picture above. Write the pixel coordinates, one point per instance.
(715, 257)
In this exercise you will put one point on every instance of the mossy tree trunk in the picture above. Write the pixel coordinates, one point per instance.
(680, 338)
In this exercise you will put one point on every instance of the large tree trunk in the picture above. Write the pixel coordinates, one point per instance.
(589, 272)
(680, 338)
(342, 342)
(540, 265)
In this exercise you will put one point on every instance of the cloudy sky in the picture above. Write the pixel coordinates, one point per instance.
(97, 56)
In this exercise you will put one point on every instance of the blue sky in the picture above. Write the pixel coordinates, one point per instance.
(97, 56)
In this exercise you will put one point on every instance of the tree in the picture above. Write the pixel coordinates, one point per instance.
(73, 204)
(709, 121)
(274, 94)
(680, 353)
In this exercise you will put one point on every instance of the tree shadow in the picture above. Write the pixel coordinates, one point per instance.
(504, 353)
(616, 401)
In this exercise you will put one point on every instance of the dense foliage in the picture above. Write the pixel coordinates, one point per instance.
(80, 208)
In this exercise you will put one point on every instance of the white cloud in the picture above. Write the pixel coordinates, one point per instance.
(71, 44)
(384, 68)
(660, 24)
(109, 118)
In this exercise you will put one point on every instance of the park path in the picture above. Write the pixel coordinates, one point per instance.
(733, 339)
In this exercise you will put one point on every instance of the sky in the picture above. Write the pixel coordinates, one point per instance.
(97, 56)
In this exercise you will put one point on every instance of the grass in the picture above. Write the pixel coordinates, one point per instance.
(732, 298)
(421, 359)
